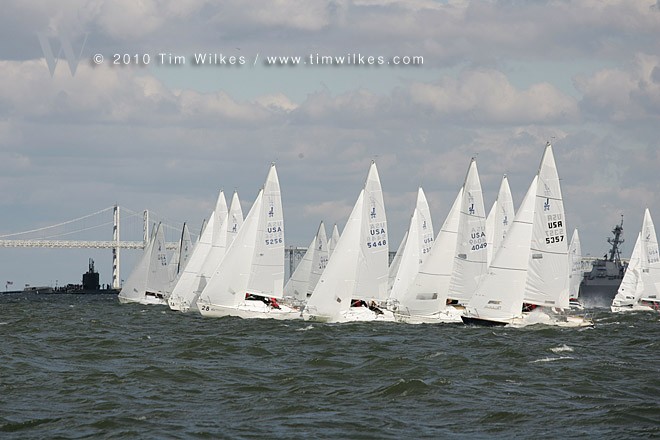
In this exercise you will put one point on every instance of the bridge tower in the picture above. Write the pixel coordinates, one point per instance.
(115, 250)
(145, 227)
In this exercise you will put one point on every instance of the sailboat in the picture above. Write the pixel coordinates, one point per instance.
(425, 301)
(415, 251)
(640, 287)
(548, 269)
(547, 276)
(212, 245)
(355, 280)
(250, 278)
(546, 273)
(303, 280)
(471, 242)
(575, 268)
(149, 281)
(499, 218)
(185, 284)
(499, 296)
(184, 290)
(215, 254)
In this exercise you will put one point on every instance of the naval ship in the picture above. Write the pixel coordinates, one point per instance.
(599, 286)
(90, 285)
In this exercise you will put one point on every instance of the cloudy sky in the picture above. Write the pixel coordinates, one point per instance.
(498, 80)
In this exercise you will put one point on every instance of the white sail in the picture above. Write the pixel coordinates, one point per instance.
(627, 294)
(337, 285)
(650, 260)
(499, 296)
(218, 247)
(427, 293)
(303, 280)
(470, 255)
(320, 260)
(409, 263)
(297, 285)
(373, 285)
(575, 265)
(499, 218)
(547, 279)
(186, 248)
(182, 294)
(180, 257)
(332, 242)
(254, 263)
(418, 247)
(640, 287)
(173, 266)
(149, 281)
(396, 263)
(235, 218)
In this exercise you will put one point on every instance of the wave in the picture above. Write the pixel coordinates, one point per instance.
(548, 359)
(561, 349)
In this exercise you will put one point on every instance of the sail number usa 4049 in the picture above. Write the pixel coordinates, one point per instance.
(478, 239)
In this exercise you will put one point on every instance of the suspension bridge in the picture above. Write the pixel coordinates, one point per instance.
(119, 223)
(88, 226)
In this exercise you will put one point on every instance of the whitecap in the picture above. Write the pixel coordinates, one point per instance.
(547, 359)
(304, 329)
(434, 355)
(561, 349)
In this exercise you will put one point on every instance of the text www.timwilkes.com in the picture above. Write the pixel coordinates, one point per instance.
(220, 59)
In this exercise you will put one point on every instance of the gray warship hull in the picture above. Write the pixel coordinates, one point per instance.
(598, 295)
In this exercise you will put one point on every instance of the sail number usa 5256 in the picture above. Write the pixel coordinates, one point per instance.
(274, 233)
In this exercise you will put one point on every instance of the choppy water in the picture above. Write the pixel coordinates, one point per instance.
(87, 367)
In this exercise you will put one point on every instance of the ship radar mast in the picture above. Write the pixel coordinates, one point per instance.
(615, 253)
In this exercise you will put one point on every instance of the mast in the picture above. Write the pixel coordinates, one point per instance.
(615, 253)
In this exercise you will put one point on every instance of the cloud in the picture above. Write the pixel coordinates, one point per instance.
(629, 94)
(446, 33)
(114, 95)
(475, 96)
(488, 96)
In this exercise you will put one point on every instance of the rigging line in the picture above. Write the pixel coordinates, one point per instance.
(79, 230)
(59, 224)
(130, 211)
(177, 225)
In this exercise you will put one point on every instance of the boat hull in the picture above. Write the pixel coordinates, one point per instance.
(449, 316)
(147, 300)
(469, 320)
(354, 314)
(632, 308)
(249, 310)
